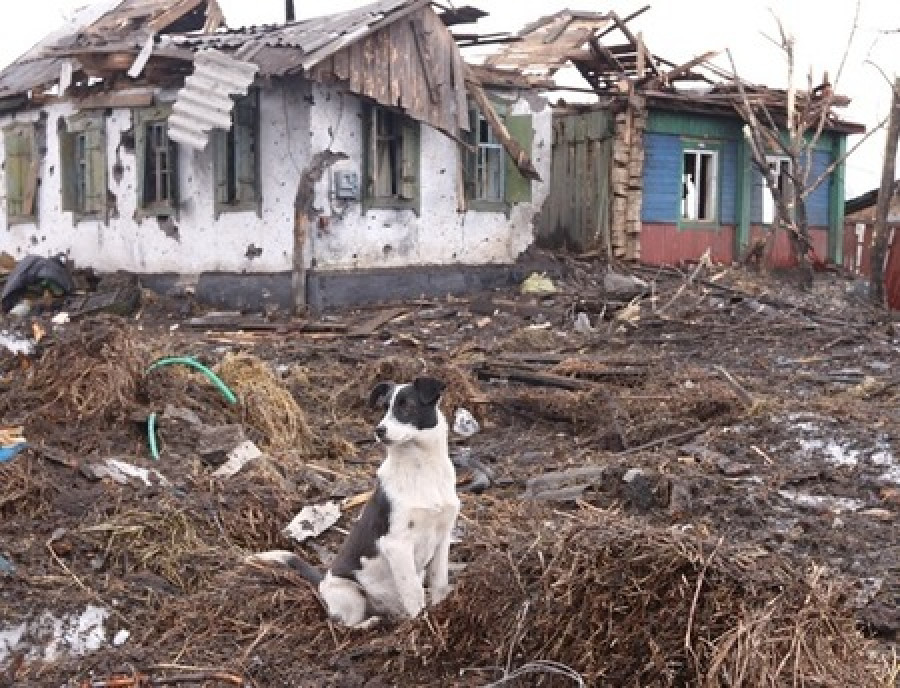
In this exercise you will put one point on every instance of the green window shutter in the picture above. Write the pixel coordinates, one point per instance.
(518, 188)
(245, 161)
(220, 167)
(21, 173)
(95, 139)
(67, 169)
(173, 173)
(471, 156)
(138, 125)
(409, 163)
(369, 139)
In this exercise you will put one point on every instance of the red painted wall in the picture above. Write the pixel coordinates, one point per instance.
(665, 244)
(781, 251)
(853, 247)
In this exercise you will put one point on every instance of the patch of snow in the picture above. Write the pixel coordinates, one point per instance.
(49, 637)
(16, 344)
(822, 502)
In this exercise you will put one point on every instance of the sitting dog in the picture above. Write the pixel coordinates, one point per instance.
(401, 542)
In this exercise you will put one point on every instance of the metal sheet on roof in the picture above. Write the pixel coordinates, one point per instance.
(205, 102)
(283, 49)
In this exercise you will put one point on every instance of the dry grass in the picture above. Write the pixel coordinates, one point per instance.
(634, 606)
(268, 406)
(89, 372)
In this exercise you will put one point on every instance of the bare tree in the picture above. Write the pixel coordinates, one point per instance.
(885, 193)
(790, 127)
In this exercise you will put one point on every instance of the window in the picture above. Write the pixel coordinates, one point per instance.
(699, 183)
(392, 160)
(157, 158)
(489, 160)
(780, 167)
(492, 180)
(82, 145)
(21, 167)
(237, 159)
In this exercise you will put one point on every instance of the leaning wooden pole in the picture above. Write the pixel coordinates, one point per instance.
(880, 233)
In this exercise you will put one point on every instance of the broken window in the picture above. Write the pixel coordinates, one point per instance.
(237, 158)
(488, 161)
(780, 167)
(82, 144)
(157, 163)
(21, 167)
(699, 183)
(492, 180)
(392, 159)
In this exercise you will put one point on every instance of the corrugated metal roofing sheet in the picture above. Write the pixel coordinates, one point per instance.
(205, 102)
(287, 48)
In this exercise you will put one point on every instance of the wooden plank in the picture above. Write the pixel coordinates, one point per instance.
(426, 60)
(117, 99)
(377, 321)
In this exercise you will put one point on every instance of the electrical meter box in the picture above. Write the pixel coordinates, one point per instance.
(346, 185)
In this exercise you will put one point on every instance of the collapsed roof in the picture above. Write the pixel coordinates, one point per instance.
(615, 62)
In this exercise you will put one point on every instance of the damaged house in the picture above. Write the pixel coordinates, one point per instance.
(658, 168)
(316, 162)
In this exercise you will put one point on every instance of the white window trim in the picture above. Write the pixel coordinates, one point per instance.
(768, 203)
(690, 202)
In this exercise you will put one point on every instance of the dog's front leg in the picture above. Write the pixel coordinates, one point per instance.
(438, 571)
(401, 561)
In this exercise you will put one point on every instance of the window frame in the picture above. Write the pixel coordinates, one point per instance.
(142, 119)
(767, 205)
(87, 174)
(515, 187)
(714, 199)
(407, 161)
(228, 165)
(28, 171)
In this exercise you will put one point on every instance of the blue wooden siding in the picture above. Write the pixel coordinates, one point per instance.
(816, 202)
(662, 177)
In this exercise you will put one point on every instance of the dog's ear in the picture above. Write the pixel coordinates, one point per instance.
(428, 389)
(380, 394)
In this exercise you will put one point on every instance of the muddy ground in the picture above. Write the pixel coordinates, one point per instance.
(696, 482)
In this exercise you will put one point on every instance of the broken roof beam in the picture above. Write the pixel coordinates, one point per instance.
(601, 53)
(635, 40)
(519, 155)
(622, 22)
(682, 70)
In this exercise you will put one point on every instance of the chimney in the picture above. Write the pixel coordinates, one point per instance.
(289, 10)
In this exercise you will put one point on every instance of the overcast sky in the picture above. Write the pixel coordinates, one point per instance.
(673, 29)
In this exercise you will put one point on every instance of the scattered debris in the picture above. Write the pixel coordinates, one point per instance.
(312, 521)
(538, 283)
(121, 472)
(238, 457)
(464, 423)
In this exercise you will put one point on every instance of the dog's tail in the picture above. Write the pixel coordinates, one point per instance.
(282, 557)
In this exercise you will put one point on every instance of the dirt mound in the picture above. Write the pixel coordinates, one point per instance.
(630, 606)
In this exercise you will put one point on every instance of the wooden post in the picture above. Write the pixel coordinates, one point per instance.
(880, 233)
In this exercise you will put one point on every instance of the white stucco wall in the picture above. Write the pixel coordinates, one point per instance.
(291, 131)
(441, 234)
(202, 243)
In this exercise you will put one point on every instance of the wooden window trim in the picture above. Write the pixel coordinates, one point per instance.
(410, 157)
(220, 161)
(141, 118)
(92, 128)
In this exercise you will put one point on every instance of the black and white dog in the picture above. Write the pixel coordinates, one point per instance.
(401, 542)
